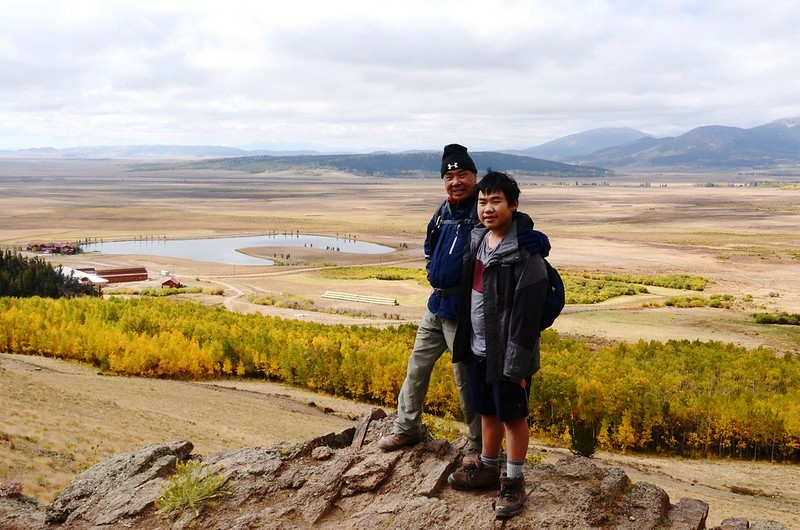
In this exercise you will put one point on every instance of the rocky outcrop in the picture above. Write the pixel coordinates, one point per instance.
(344, 481)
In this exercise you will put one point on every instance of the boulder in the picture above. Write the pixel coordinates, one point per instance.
(343, 480)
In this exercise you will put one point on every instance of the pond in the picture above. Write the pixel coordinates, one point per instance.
(224, 249)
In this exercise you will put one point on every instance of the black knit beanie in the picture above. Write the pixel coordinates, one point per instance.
(455, 157)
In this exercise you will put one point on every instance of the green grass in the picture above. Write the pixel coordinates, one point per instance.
(378, 273)
(159, 292)
(287, 300)
(672, 281)
(192, 485)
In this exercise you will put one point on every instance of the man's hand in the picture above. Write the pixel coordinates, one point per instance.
(534, 242)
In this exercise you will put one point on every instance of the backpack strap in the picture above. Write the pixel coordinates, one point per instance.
(443, 209)
(440, 221)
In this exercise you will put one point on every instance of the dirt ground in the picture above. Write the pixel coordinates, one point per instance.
(60, 417)
(745, 239)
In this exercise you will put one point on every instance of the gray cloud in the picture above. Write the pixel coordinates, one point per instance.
(397, 75)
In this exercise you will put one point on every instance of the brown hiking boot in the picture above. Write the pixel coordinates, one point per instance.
(471, 458)
(512, 497)
(392, 442)
(475, 477)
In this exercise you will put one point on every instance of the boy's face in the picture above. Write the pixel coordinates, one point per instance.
(494, 211)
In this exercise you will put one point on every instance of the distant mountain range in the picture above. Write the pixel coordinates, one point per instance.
(147, 152)
(410, 164)
(773, 145)
(583, 143)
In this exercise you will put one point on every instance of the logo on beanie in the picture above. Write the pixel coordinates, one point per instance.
(454, 165)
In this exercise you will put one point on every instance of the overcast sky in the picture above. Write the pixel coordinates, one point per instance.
(409, 74)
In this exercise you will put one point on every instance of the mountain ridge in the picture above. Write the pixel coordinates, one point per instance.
(772, 145)
(583, 143)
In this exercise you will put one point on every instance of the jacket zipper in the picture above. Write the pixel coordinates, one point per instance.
(458, 227)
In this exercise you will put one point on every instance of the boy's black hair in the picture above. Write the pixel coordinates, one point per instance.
(496, 181)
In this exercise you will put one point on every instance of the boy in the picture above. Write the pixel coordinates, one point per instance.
(445, 244)
(503, 294)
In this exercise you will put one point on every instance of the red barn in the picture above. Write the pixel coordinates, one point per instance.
(172, 283)
(131, 274)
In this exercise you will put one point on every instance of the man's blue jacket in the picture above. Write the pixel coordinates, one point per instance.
(446, 241)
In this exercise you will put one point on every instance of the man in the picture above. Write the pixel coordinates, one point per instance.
(447, 236)
(445, 243)
(502, 302)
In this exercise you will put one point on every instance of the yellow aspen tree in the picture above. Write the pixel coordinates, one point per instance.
(625, 435)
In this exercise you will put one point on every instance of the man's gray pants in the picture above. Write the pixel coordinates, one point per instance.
(434, 336)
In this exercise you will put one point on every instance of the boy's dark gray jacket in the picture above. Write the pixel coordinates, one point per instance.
(515, 287)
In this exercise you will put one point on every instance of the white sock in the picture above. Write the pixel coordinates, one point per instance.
(490, 460)
(514, 469)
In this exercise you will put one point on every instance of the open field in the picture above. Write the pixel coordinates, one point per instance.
(745, 239)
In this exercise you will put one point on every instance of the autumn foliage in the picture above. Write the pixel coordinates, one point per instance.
(679, 397)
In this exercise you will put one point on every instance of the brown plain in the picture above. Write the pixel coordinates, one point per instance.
(59, 418)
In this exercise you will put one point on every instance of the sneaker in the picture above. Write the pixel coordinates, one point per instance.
(471, 458)
(475, 477)
(392, 442)
(512, 497)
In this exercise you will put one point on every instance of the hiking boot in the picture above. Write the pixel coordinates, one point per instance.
(393, 442)
(471, 458)
(512, 497)
(475, 477)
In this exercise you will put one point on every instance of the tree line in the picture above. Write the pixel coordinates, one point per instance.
(680, 397)
(24, 276)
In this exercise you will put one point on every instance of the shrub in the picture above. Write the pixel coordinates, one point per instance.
(442, 428)
(777, 318)
(686, 301)
(189, 488)
(583, 440)
(379, 273)
(672, 281)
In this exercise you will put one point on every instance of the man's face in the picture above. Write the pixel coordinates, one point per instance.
(494, 211)
(459, 184)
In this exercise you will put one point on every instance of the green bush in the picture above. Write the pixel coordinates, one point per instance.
(672, 281)
(777, 318)
(379, 273)
(588, 291)
(192, 485)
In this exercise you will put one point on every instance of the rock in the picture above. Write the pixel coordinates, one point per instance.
(763, 524)
(363, 426)
(322, 453)
(734, 524)
(688, 514)
(117, 488)
(20, 513)
(345, 481)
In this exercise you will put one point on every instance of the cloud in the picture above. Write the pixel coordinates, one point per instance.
(396, 75)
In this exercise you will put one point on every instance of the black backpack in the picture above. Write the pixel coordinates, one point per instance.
(554, 302)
